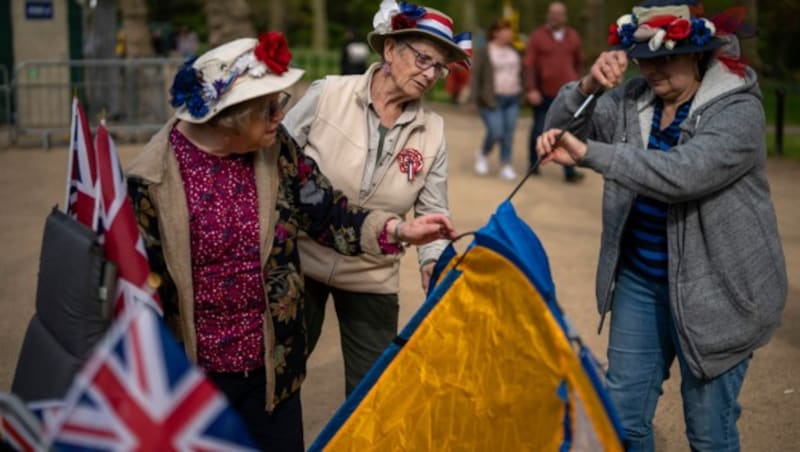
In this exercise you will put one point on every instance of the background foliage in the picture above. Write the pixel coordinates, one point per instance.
(775, 57)
(772, 54)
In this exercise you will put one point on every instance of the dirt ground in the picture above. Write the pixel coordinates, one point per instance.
(566, 218)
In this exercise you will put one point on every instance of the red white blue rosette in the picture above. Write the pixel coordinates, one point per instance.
(410, 162)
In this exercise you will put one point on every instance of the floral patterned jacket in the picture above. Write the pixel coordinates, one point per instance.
(292, 196)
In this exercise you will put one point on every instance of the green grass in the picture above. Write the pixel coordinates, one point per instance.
(791, 145)
(791, 103)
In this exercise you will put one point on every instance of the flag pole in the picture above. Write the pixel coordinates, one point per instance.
(71, 153)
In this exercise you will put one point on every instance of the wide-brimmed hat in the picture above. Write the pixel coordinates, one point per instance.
(232, 73)
(664, 27)
(407, 19)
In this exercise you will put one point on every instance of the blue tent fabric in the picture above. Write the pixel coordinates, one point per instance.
(509, 236)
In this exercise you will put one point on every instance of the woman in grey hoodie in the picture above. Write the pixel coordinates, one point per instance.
(691, 261)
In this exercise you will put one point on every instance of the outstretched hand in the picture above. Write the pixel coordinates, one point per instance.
(423, 229)
(568, 150)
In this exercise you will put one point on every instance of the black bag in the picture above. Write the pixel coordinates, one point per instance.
(74, 296)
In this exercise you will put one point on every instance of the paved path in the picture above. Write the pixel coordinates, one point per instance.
(566, 218)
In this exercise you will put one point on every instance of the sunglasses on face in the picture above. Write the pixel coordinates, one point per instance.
(425, 62)
(277, 105)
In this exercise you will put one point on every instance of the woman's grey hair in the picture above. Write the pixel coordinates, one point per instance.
(239, 117)
(397, 42)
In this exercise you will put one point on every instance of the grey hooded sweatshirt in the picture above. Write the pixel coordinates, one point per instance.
(726, 270)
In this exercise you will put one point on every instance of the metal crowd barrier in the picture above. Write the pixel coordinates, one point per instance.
(131, 94)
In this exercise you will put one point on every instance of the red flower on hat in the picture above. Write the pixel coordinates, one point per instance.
(273, 50)
(679, 29)
(401, 21)
(613, 34)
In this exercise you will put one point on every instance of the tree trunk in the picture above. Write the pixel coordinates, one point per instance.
(228, 20)
(277, 15)
(468, 16)
(99, 30)
(319, 34)
(594, 38)
(99, 41)
(134, 24)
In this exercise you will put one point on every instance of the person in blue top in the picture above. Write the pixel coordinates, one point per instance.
(691, 264)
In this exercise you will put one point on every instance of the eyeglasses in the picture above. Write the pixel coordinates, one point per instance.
(276, 106)
(425, 62)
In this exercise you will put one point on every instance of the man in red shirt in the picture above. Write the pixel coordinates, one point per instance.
(553, 57)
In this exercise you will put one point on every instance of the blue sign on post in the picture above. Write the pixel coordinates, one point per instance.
(39, 10)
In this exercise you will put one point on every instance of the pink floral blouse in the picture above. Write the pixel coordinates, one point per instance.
(226, 271)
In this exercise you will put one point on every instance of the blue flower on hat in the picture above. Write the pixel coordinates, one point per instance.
(186, 81)
(187, 89)
(196, 105)
(700, 33)
(412, 11)
(626, 34)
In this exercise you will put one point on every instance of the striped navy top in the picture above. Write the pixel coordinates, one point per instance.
(644, 243)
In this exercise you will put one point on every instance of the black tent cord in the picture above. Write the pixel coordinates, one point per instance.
(569, 125)
(535, 165)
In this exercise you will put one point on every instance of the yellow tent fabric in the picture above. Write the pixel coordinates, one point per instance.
(490, 367)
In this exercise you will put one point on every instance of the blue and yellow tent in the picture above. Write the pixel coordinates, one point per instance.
(488, 362)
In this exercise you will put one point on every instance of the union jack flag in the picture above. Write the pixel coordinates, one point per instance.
(118, 231)
(138, 391)
(81, 170)
(47, 412)
(19, 429)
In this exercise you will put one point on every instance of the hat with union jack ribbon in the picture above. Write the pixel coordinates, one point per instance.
(407, 19)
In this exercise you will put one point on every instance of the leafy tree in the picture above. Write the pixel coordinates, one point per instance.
(174, 14)
(777, 36)
(590, 17)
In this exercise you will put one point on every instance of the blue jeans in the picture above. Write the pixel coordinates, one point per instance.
(642, 346)
(500, 123)
(539, 114)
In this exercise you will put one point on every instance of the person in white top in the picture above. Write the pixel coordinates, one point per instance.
(497, 91)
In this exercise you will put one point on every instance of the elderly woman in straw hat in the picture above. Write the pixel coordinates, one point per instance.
(372, 136)
(221, 193)
(691, 264)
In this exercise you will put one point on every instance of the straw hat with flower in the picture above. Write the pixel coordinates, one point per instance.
(232, 73)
